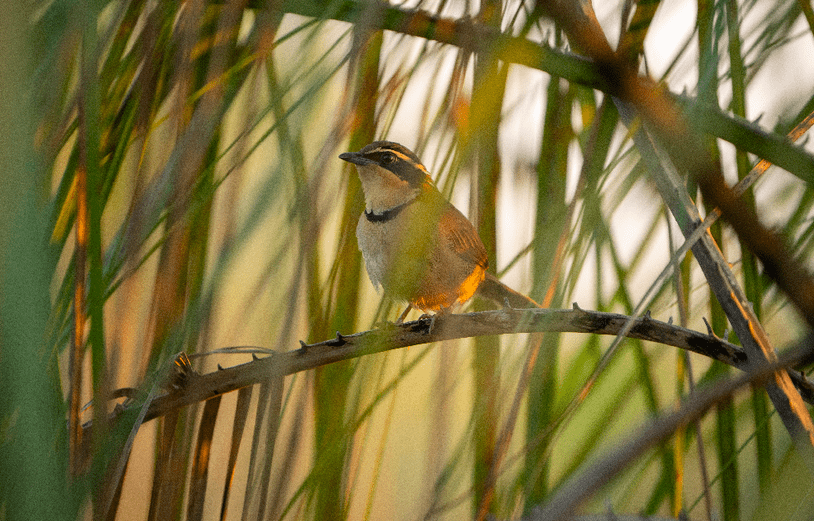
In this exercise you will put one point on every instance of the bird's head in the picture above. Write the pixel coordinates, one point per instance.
(391, 174)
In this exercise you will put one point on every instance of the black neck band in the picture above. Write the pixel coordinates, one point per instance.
(387, 215)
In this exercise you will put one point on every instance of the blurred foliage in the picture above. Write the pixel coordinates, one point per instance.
(170, 184)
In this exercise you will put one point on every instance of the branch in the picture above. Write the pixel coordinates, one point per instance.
(196, 388)
(462, 32)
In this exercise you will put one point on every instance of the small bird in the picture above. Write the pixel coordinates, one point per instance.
(416, 245)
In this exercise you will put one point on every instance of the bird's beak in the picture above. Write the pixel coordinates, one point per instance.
(356, 158)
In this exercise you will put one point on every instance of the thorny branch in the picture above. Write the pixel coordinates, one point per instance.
(189, 388)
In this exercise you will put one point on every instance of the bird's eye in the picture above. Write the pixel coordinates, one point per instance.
(388, 158)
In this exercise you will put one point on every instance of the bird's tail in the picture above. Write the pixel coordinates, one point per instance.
(495, 290)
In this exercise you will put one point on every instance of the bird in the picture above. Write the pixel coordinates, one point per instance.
(415, 244)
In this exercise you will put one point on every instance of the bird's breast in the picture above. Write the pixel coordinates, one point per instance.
(376, 244)
(408, 258)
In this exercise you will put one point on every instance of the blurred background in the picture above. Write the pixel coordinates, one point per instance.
(171, 184)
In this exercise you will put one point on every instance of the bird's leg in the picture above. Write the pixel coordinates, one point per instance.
(404, 315)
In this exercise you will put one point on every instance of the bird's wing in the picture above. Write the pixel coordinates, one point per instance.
(459, 232)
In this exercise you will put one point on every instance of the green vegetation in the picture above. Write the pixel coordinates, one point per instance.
(170, 184)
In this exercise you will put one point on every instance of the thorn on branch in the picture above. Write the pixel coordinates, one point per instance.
(710, 332)
(303, 347)
(647, 316)
(220, 368)
(670, 321)
(576, 307)
(254, 357)
(339, 341)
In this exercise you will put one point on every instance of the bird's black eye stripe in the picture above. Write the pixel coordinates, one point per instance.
(383, 158)
(409, 172)
(406, 169)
